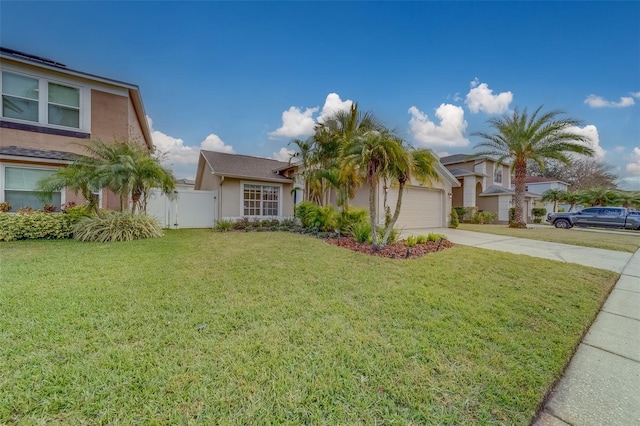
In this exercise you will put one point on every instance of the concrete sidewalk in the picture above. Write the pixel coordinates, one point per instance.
(601, 385)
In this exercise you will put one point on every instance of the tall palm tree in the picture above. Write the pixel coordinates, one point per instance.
(553, 196)
(331, 137)
(374, 154)
(539, 137)
(417, 163)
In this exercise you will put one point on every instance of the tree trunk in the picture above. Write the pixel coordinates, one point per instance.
(521, 173)
(396, 213)
(373, 187)
(135, 198)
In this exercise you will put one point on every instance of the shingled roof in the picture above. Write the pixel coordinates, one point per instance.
(17, 151)
(245, 166)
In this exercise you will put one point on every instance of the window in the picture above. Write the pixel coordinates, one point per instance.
(19, 97)
(261, 200)
(64, 105)
(497, 178)
(40, 101)
(20, 188)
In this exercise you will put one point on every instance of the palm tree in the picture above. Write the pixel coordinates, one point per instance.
(124, 167)
(539, 137)
(375, 154)
(419, 164)
(629, 199)
(553, 196)
(331, 137)
(599, 197)
(79, 177)
(572, 198)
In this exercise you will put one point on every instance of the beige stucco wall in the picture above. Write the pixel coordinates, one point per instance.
(230, 196)
(488, 204)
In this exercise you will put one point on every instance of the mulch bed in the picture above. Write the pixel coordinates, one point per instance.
(397, 250)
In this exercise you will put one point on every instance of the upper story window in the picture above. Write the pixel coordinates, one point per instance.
(497, 177)
(40, 101)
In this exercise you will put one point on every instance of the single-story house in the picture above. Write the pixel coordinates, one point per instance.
(262, 187)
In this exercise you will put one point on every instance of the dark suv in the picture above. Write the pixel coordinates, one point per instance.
(601, 217)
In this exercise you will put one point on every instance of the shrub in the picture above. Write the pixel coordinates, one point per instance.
(323, 218)
(411, 241)
(350, 217)
(302, 209)
(5, 207)
(34, 225)
(436, 237)
(393, 236)
(538, 213)
(50, 208)
(223, 225)
(241, 224)
(454, 222)
(465, 214)
(484, 217)
(288, 222)
(421, 239)
(75, 213)
(117, 226)
(361, 232)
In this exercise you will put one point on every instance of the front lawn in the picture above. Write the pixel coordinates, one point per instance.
(630, 242)
(277, 328)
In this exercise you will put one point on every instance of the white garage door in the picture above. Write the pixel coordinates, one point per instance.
(421, 207)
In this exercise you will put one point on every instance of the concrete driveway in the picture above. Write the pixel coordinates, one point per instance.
(597, 258)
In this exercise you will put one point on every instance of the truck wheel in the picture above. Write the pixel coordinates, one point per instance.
(562, 223)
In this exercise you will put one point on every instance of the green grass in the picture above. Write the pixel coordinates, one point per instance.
(274, 328)
(630, 242)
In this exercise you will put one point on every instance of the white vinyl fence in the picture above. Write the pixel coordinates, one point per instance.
(189, 209)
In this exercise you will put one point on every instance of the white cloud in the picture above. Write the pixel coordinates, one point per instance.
(333, 104)
(595, 101)
(590, 131)
(283, 155)
(449, 133)
(619, 148)
(481, 98)
(182, 158)
(214, 143)
(635, 94)
(633, 168)
(298, 123)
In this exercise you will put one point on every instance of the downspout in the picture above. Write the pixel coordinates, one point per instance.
(220, 198)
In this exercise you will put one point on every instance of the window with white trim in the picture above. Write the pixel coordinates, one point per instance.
(497, 178)
(21, 189)
(40, 101)
(260, 200)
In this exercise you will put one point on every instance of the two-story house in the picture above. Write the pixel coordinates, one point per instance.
(538, 185)
(484, 184)
(48, 112)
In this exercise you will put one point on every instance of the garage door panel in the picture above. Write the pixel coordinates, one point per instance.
(421, 207)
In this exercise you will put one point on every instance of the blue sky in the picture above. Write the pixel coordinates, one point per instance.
(248, 77)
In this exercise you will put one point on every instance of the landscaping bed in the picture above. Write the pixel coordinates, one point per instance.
(396, 250)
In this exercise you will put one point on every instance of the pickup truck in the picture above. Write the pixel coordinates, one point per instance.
(600, 217)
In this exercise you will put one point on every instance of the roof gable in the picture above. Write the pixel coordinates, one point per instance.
(244, 166)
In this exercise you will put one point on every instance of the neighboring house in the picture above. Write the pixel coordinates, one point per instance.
(245, 186)
(484, 184)
(48, 110)
(538, 185)
(260, 187)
